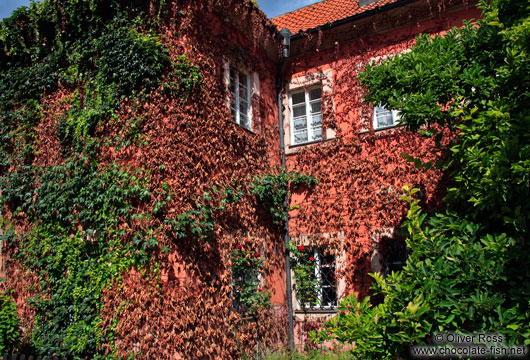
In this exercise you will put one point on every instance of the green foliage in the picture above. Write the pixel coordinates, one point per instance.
(473, 82)
(82, 212)
(272, 189)
(184, 77)
(306, 282)
(79, 248)
(131, 60)
(9, 324)
(309, 355)
(247, 270)
(457, 277)
(100, 49)
(199, 222)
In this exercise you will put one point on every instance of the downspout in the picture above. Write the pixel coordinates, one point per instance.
(285, 36)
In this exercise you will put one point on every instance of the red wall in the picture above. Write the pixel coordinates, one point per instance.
(361, 171)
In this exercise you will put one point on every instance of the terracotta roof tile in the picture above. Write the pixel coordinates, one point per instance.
(322, 13)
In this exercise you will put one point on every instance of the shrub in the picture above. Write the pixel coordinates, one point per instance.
(455, 279)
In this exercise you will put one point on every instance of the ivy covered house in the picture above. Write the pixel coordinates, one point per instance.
(158, 157)
(351, 220)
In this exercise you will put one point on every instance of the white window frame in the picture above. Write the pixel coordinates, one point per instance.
(235, 98)
(396, 116)
(309, 128)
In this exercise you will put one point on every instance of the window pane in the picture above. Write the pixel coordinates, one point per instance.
(243, 79)
(315, 94)
(300, 137)
(317, 134)
(300, 123)
(243, 107)
(316, 120)
(316, 106)
(327, 273)
(383, 117)
(298, 98)
(243, 121)
(329, 297)
(328, 259)
(243, 93)
(298, 110)
(316, 125)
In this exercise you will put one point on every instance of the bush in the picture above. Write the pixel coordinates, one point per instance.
(455, 279)
(311, 355)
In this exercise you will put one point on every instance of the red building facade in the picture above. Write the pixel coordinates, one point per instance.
(352, 218)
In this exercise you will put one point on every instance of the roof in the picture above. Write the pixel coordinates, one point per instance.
(324, 12)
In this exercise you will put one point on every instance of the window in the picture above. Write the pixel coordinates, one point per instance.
(325, 274)
(315, 281)
(247, 275)
(384, 118)
(306, 116)
(240, 98)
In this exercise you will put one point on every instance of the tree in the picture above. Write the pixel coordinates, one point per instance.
(469, 268)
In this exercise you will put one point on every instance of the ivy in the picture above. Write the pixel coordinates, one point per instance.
(271, 190)
(9, 324)
(306, 282)
(199, 222)
(247, 271)
(86, 230)
(110, 57)
(184, 78)
(132, 60)
(452, 280)
(79, 248)
(468, 268)
(84, 86)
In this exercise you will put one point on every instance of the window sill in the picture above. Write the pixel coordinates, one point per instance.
(244, 128)
(306, 143)
(330, 311)
(293, 149)
(381, 129)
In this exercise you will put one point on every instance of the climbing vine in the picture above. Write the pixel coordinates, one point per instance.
(356, 209)
(114, 182)
(9, 324)
(247, 274)
(306, 282)
(272, 189)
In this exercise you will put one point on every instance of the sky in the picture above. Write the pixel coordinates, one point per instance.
(270, 7)
(276, 7)
(7, 6)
